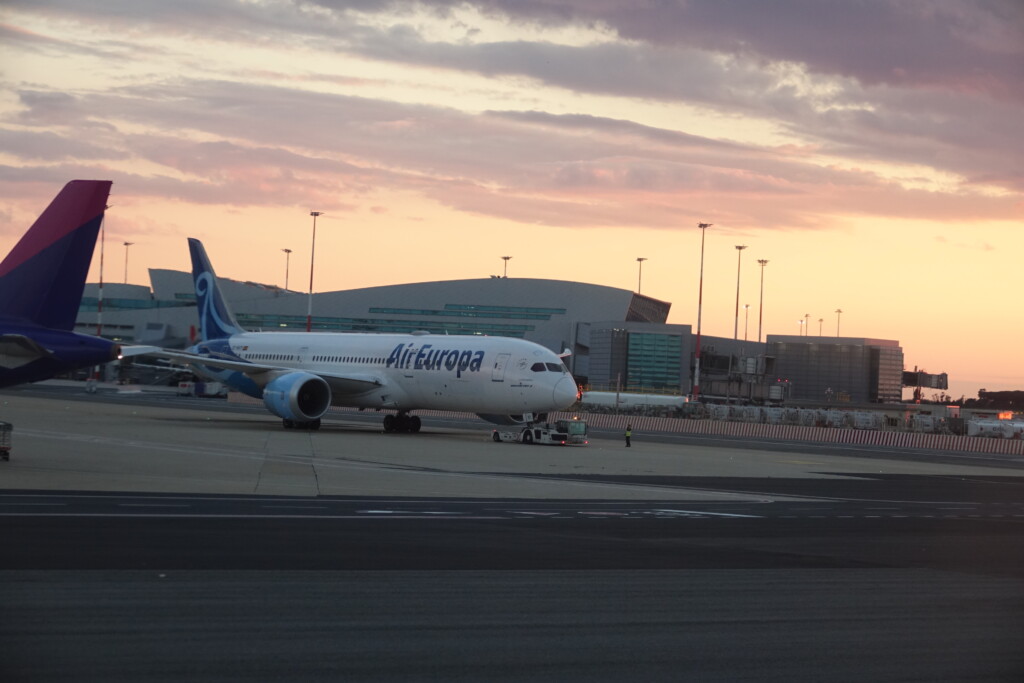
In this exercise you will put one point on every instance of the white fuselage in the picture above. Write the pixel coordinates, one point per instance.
(413, 371)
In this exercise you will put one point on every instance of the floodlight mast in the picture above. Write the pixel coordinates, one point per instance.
(739, 259)
(312, 258)
(700, 304)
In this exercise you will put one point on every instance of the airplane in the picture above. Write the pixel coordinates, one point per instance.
(41, 284)
(299, 375)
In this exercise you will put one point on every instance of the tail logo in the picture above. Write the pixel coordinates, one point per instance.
(213, 320)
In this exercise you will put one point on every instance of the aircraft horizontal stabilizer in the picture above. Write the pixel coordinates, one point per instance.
(21, 346)
(17, 350)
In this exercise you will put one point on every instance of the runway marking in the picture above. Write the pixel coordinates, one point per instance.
(411, 512)
(6, 504)
(709, 514)
(152, 505)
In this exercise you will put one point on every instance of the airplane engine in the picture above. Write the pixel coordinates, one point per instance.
(297, 396)
(511, 419)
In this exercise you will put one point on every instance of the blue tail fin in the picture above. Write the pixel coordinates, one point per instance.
(42, 279)
(215, 318)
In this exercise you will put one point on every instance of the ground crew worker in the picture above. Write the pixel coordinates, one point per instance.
(629, 434)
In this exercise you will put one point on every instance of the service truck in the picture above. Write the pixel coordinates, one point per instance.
(559, 433)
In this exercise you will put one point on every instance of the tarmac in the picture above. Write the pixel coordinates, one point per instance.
(157, 537)
(67, 440)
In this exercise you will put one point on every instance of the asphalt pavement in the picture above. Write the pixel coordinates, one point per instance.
(161, 540)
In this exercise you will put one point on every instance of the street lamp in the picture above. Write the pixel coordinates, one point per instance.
(505, 259)
(800, 326)
(99, 298)
(760, 310)
(126, 245)
(700, 303)
(746, 320)
(739, 255)
(640, 272)
(312, 256)
(287, 258)
(807, 324)
(820, 322)
(839, 312)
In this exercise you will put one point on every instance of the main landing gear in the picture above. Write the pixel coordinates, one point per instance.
(295, 424)
(402, 422)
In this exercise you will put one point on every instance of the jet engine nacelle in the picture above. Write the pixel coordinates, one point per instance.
(297, 396)
(513, 419)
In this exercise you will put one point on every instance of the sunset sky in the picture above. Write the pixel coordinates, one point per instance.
(872, 151)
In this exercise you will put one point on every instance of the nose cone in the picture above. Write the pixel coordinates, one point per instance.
(565, 392)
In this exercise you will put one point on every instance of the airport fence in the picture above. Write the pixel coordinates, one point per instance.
(773, 432)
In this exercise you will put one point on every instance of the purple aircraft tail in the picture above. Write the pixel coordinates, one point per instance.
(42, 279)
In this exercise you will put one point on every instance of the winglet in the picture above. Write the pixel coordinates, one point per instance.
(216, 321)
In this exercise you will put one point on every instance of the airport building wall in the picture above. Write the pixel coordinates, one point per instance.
(838, 369)
(620, 340)
(548, 312)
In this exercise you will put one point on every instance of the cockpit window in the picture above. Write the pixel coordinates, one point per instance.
(538, 367)
(556, 367)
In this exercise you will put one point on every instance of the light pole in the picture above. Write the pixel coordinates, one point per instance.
(807, 324)
(126, 245)
(746, 320)
(760, 310)
(839, 312)
(739, 258)
(820, 322)
(640, 272)
(312, 256)
(505, 259)
(287, 258)
(800, 326)
(700, 304)
(99, 297)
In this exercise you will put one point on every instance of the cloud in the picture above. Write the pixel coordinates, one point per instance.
(213, 139)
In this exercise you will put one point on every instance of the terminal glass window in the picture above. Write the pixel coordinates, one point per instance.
(654, 362)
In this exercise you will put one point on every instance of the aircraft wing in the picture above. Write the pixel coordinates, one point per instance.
(138, 350)
(263, 374)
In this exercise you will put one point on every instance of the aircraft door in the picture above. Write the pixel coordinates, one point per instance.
(498, 373)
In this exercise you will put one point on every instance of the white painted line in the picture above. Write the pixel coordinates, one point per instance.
(152, 505)
(4, 504)
(192, 515)
(710, 514)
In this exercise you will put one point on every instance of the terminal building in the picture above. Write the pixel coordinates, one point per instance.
(619, 339)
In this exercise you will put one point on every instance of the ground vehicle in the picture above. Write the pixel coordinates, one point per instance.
(561, 433)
